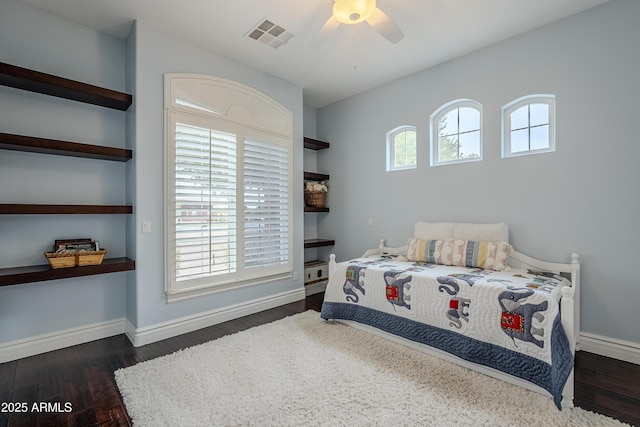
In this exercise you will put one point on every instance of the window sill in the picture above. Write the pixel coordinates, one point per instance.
(188, 293)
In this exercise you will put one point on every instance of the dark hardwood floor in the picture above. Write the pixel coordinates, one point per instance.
(75, 386)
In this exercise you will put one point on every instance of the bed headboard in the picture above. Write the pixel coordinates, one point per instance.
(498, 232)
(461, 231)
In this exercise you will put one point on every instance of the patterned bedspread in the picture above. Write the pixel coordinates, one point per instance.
(506, 320)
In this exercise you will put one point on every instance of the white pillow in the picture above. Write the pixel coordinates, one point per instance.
(433, 230)
(498, 232)
(481, 232)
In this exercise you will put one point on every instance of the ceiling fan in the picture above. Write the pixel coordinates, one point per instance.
(356, 11)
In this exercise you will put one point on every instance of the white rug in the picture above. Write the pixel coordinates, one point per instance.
(302, 371)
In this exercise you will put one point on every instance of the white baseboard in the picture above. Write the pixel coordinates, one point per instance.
(164, 330)
(19, 349)
(610, 347)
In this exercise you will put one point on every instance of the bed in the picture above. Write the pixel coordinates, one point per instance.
(461, 292)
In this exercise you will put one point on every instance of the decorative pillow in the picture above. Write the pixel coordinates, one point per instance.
(465, 253)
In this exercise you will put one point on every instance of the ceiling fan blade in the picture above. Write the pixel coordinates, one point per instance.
(327, 29)
(385, 26)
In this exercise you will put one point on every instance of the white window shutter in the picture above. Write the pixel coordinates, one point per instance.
(205, 201)
(266, 204)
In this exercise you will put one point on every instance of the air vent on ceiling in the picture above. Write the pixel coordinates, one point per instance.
(270, 34)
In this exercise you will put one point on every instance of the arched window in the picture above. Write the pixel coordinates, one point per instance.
(456, 132)
(528, 125)
(228, 186)
(401, 148)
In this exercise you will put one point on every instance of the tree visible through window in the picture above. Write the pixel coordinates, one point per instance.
(401, 148)
(456, 133)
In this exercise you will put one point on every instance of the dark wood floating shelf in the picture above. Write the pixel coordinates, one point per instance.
(314, 144)
(18, 209)
(40, 273)
(312, 209)
(317, 243)
(32, 144)
(312, 176)
(35, 81)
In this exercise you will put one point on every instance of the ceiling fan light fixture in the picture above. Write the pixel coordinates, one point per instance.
(353, 11)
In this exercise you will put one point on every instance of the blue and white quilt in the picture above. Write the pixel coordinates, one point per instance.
(506, 320)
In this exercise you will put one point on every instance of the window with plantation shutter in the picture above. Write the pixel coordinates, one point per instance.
(228, 187)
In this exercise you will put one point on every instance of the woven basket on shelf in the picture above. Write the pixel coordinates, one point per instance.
(90, 257)
(60, 259)
(75, 259)
(315, 199)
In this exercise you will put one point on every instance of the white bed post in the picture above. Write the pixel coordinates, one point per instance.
(567, 311)
(570, 311)
(575, 280)
(332, 264)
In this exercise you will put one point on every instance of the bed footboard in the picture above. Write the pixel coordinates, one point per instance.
(570, 302)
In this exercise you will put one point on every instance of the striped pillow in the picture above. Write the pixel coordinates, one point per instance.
(465, 253)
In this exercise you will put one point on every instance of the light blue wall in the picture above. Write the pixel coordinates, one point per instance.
(156, 53)
(582, 198)
(131, 296)
(37, 40)
(41, 41)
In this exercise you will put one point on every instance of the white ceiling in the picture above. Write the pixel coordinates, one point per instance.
(434, 31)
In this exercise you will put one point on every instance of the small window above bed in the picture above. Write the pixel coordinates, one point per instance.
(528, 126)
(401, 148)
(456, 132)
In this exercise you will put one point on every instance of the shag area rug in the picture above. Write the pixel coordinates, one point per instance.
(302, 370)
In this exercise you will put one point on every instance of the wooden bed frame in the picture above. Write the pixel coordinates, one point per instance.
(569, 305)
